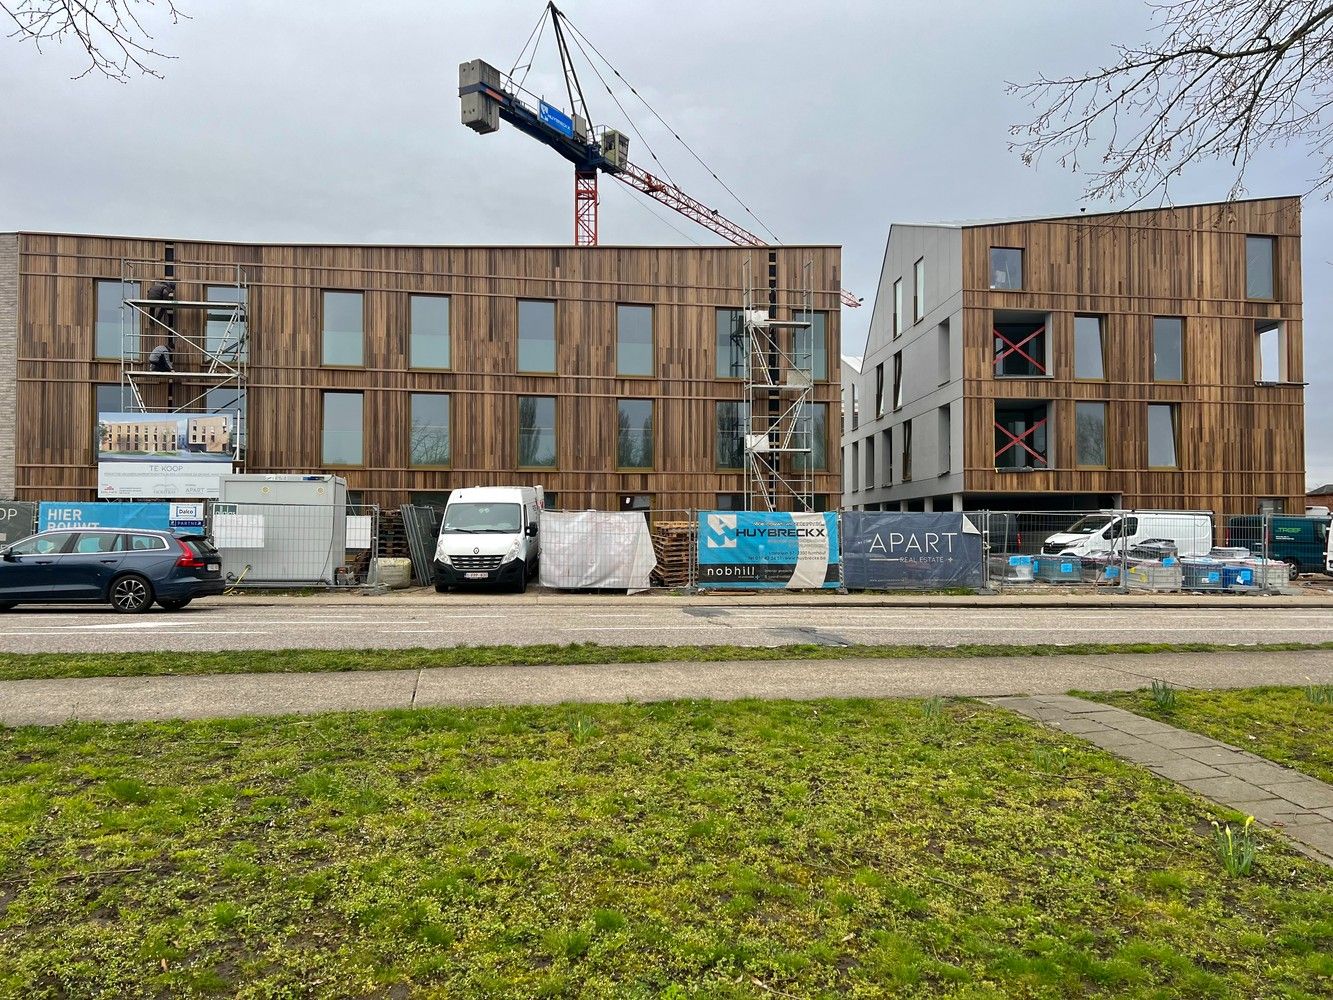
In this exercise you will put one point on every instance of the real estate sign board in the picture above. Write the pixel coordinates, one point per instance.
(751, 549)
(18, 519)
(164, 455)
(890, 550)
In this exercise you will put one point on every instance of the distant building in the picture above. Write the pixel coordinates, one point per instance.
(1148, 359)
(142, 436)
(1320, 496)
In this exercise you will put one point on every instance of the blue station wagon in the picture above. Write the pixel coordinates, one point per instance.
(128, 569)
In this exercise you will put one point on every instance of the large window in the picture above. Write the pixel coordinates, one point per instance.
(1020, 345)
(344, 329)
(813, 430)
(225, 329)
(428, 337)
(886, 452)
(856, 467)
(111, 296)
(429, 441)
(1259, 283)
(1270, 351)
(536, 336)
(856, 407)
(812, 344)
(1006, 268)
(634, 340)
(945, 439)
(730, 344)
(1167, 349)
(898, 380)
(1090, 434)
(918, 290)
(1021, 436)
(944, 352)
(536, 432)
(730, 501)
(344, 418)
(907, 451)
(731, 424)
(879, 389)
(634, 434)
(1163, 435)
(898, 317)
(870, 462)
(1088, 348)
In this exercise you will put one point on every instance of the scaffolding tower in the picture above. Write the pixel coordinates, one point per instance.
(779, 382)
(206, 333)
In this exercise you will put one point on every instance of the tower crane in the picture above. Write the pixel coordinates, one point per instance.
(489, 97)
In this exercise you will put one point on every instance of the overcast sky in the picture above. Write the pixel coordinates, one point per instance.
(338, 120)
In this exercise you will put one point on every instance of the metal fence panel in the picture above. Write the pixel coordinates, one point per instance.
(295, 545)
(422, 525)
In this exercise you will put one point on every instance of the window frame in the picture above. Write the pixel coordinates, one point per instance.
(738, 317)
(991, 270)
(1024, 444)
(879, 390)
(898, 381)
(449, 429)
(1101, 347)
(870, 472)
(856, 407)
(1271, 241)
(906, 446)
(1174, 410)
(856, 467)
(818, 342)
(448, 332)
(1279, 328)
(1181, 354)
(518, 433)
(323, 422)
(944, 438)
(136, 330)
(324, 293)
(69, 533)
(899, 316)
(742, 424)
(815, 406)
(919, 290)
(652, 340)
(1078, 456)
(652, 440)
(518, 339)
(1043, 357)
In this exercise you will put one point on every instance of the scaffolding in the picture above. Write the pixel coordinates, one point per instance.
(206, 336)
(779, 383)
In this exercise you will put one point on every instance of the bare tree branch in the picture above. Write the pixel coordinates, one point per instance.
(110, 31)
(1217, 80)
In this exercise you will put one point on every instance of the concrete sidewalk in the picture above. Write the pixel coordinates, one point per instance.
(1309, 597)
(51, 702)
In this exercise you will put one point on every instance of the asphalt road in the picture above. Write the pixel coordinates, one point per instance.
(236, 627)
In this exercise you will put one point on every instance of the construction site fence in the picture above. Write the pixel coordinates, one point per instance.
(295, 545)
(614, 557)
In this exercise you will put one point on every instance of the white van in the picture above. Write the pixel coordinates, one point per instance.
(1114, 531)
(490, 535)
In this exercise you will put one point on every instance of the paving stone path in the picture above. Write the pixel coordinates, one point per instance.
(1295, 803)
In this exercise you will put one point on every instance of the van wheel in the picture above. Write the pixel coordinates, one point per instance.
(131, 594)
(1293, 568)
(7, 605)
(174, 605)
(441, 588)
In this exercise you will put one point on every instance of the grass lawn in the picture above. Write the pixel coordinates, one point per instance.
(1279, 723)
(835, 849)
(19, 666)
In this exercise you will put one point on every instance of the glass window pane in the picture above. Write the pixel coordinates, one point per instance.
(344, 340)
(879, 389)
(1090, 433)
(1259, 267)
(730, 344)
(1270, 352)
(536, 336)
(634, 433)
(343, 420)
(812, 431)
(1020, 346)
(428, 337)
(430, 429)
(811, 344)
(1161, 435)
(731, 427)
(225, 329)
(1021, 436)
(536, 431)
(898, 307)
(107, 328)
(730, 501)
(1088, 347)
(634, 340)
(919, 298)
(946, 438)
(1006, 268)
(1167, 363)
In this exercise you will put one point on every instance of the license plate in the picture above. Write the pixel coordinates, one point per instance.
(475, 576)
(214, 567)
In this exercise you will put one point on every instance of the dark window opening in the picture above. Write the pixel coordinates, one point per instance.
(1020, 341)
(1022, 436)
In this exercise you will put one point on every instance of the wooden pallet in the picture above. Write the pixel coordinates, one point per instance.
(393, 536)
(673, 544)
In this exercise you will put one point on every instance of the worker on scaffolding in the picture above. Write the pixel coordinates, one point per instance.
(159, 360)
(163, 291)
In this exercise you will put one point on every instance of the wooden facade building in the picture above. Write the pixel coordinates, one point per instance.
(1149, 359)
(594, 372)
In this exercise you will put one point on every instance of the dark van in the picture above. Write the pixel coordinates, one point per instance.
(1300, 542)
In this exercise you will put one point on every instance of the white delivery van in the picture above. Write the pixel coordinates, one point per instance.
(1114, 531)
(490, 534)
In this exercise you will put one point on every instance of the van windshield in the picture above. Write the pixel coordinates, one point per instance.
(473, 518)
(1089, 525)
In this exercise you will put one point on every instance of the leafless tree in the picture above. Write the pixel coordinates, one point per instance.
(111, 32)
(1217, 80)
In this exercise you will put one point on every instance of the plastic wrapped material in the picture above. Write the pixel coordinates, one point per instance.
(592, 549)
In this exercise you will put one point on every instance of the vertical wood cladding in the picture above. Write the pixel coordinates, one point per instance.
(57, 371)
(1238, 440)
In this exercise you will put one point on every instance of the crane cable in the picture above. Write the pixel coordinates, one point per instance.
(579, 34)
(537, 30)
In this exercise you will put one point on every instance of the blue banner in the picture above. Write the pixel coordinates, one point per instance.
(555, 118)
(886, 551)
(753, 549)
(152, 516)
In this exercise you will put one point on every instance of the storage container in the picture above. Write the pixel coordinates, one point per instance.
(1059, 569)
(1155, 576)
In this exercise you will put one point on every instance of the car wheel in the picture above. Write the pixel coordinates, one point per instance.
(1293, 569)
(131, 594)
(174, 605)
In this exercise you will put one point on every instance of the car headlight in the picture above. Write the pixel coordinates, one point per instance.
(515, 550)
(443, 559)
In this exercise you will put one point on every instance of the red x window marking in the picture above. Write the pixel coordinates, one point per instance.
(1012, 348)
(1017, 439)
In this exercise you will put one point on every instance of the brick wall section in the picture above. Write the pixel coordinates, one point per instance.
(9, 332)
